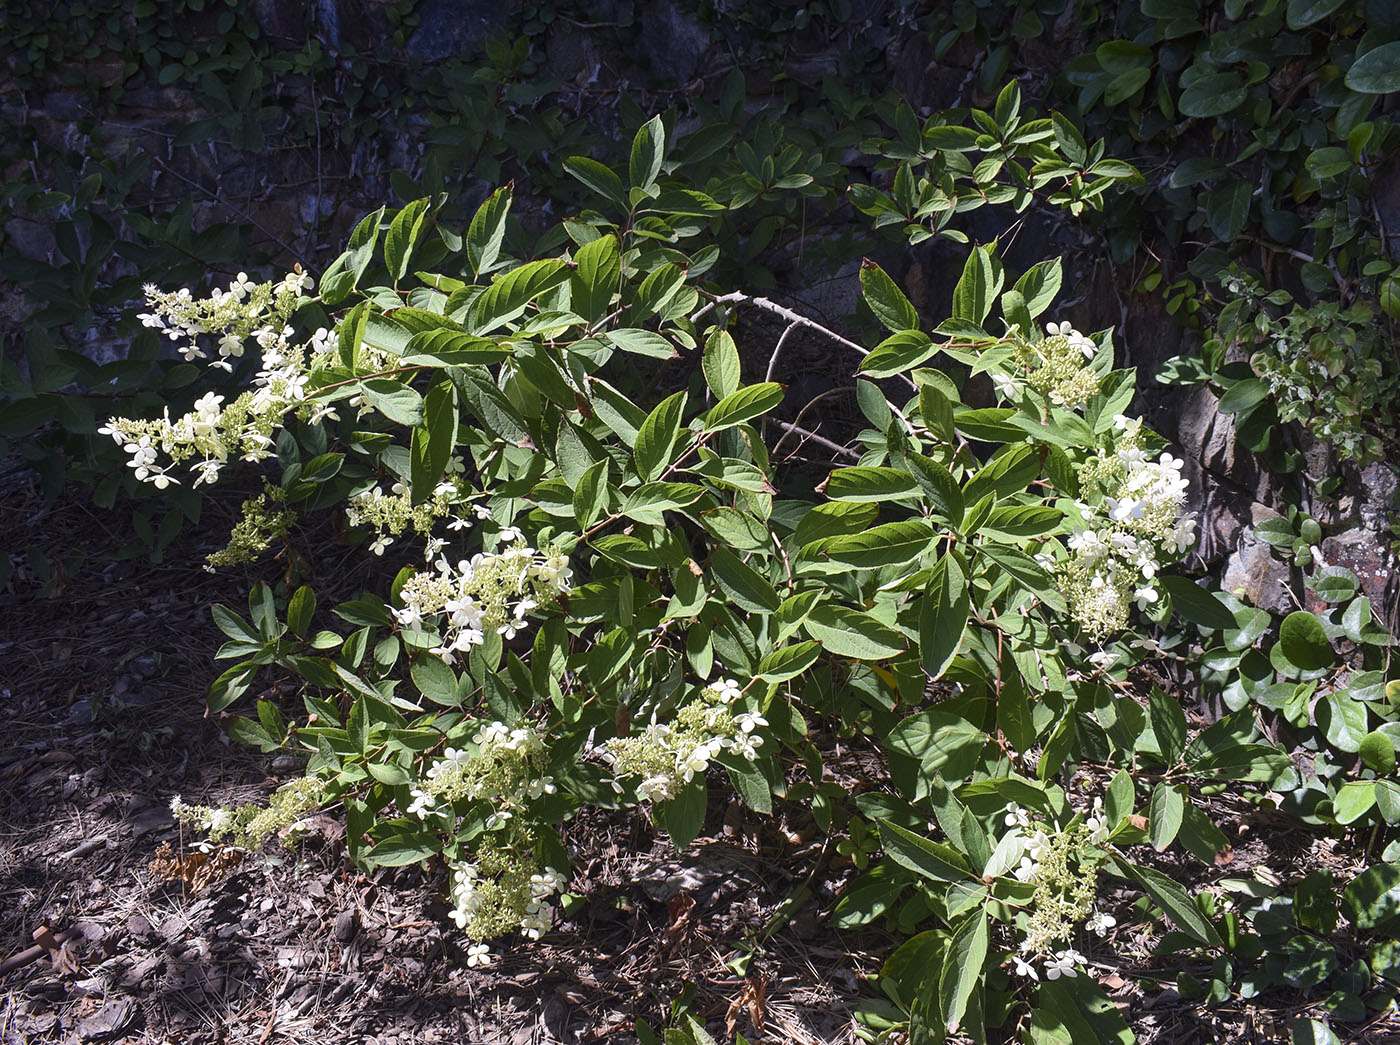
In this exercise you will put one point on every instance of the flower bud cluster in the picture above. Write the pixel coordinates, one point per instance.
(392, 513)
(503, 767)
(494, 592)
(499, 893)
(1117, 547)
(249, 826)
(260, 524)
(212, 433)
(1055, 366)
(1064, 894)
(667, 756)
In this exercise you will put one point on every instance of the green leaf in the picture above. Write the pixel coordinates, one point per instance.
(396, 401)
(452, 348)
(1303, 13)
(403, 235)
(1212, 95)
(642, 343)
(1168, 724)
(1243, 395)
(940, 489)
(432, 443)
(720, 364)
(684, 815)
(1377, 750)
(598, 178)
(1377, 71)
(962, 970)
(591, 494)
(1334, 584)
(890, 544)
(435, 680)
(789, 662)
(510, 293)
(978, 286)
(940, 863)
(1070, 141)
(1227, 207)
(487, 231)
(598, 267)
(846, 632)
(1173, 899)
(741, 531)
(1372, 899)
(885, 299)
(834, 519)
(231, 685)
(660, 286)
(656, 439)
(943, 615)
(1040, 286)
(1354, 800)
(1193, 603)
(1164, 816)
(898, 353)
(867, 484)
(300, 609)
(648, 147)
(743, 405)
(648, 501)
(406, 847)
(1303, 641)
(745, 586)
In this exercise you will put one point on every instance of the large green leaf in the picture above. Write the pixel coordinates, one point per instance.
(850, 633)
(943, 616)
(648, 147)
(962, 971)
(487, 231)
(864, 483)
(1173, 899)
(656, 439)
(889, 544)
(744, 585)
(1377, 71)
(1303, 640)
(598, 266)
(921, 855)
(886, 300)
(743, 405)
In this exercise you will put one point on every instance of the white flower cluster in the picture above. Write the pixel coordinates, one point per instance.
(212, 432)
(1055, 366)
(502, 768)
(1116, 548)
(1039, 854)
(392, 513)
(494, 592)
(498, 895)
(668, 756)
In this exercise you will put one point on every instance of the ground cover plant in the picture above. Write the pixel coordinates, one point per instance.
(548, 560)
(612, 595)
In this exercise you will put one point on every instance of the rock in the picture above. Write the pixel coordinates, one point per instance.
(1209, 436)
(1259, 577)
(672, 41)
(1223, 512)
(455, 28)
(1379, 486)
(1367, 554)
